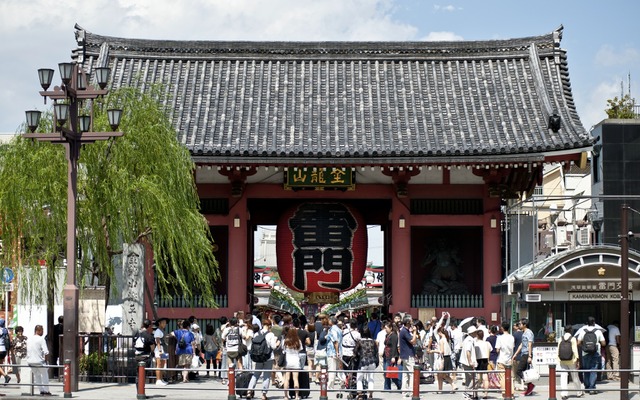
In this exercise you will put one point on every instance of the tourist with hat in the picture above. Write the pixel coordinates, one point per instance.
(468, 360)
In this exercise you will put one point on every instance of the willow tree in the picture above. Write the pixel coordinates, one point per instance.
(136, 188)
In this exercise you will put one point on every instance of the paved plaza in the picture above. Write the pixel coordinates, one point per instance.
(208, 388)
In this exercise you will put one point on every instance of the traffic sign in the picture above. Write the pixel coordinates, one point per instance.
(7, 287)
(7, 275)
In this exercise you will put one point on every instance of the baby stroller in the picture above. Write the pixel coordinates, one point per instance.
(427, 375)
(350, 382)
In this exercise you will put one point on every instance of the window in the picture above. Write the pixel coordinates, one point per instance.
(537, 191)
(583, 236)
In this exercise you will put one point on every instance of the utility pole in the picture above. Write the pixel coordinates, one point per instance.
(624, 303)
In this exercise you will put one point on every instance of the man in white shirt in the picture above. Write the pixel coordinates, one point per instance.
(457, 336)
(505, 344)
(590, 360)
(481, 324)
(37, 352)
(613, 351)
(350, 338)
(380, 338)
(468, 357)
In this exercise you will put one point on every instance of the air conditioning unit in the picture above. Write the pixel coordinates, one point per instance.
(533, 298)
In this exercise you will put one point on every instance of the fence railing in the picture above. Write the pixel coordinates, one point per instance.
(106, 358)
(197, 301)
(447, 301)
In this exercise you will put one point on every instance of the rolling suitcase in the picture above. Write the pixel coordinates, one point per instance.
(303, 381)
(242, 383)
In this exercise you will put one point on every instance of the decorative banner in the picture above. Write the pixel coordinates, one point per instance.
(321, 247)
(319, 178)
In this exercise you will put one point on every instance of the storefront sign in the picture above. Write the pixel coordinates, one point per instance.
(596, 296)
(319, 178)
(323, 298)
(546, 355)
(598, 286)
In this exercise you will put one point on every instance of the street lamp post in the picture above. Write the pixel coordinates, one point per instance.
(72, 131)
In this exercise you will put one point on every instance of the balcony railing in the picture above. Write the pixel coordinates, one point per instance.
(197, 301)
(447, 301)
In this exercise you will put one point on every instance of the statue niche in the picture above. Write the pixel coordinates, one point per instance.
(442, 263)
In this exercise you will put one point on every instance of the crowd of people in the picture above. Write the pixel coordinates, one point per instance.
(351, 349)
(360, 354)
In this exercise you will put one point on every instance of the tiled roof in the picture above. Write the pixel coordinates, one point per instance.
(359, 101)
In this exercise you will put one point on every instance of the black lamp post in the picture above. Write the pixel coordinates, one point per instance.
(72, 131)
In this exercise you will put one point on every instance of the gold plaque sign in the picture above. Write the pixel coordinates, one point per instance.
(323, 297)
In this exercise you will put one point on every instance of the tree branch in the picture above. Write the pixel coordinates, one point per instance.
(144, 233)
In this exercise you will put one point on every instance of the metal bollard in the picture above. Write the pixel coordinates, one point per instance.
(552, 382)
(416, 383)
(66, 379)
(323, 384)
(232, 383)
(508, 383)
(141, 381)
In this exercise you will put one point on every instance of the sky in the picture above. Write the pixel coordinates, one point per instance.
(601, 37)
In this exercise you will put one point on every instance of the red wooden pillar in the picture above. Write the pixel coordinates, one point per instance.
(400, 257)
(492, 263)
(238, 253)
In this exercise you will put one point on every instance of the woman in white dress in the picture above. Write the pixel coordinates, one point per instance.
(444, 352)
(291, 349)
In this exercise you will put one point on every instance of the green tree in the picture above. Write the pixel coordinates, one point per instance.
(138, 187)
(621, 108)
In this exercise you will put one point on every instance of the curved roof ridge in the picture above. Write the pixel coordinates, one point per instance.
(382, 49)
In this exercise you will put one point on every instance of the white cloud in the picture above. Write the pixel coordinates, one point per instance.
(608, 56)
(448, 8)
(32, 39)
(592, 110)
(442, 37)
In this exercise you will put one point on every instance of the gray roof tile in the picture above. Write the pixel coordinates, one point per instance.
(359, 100)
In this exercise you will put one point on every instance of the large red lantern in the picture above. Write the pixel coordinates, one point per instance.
(321, 247)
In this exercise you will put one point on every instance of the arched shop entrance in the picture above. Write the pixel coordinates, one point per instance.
(571, 286)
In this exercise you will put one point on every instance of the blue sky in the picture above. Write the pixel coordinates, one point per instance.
(602, 39)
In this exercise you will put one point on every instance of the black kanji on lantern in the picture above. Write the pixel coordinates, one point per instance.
(322, 240)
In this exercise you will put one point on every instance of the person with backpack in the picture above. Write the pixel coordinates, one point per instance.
(144, 343)
(5, 346)
(591, 341)
(232, 337)
(185, 348)
(568, 363)
(262, 345)
(367, 354)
